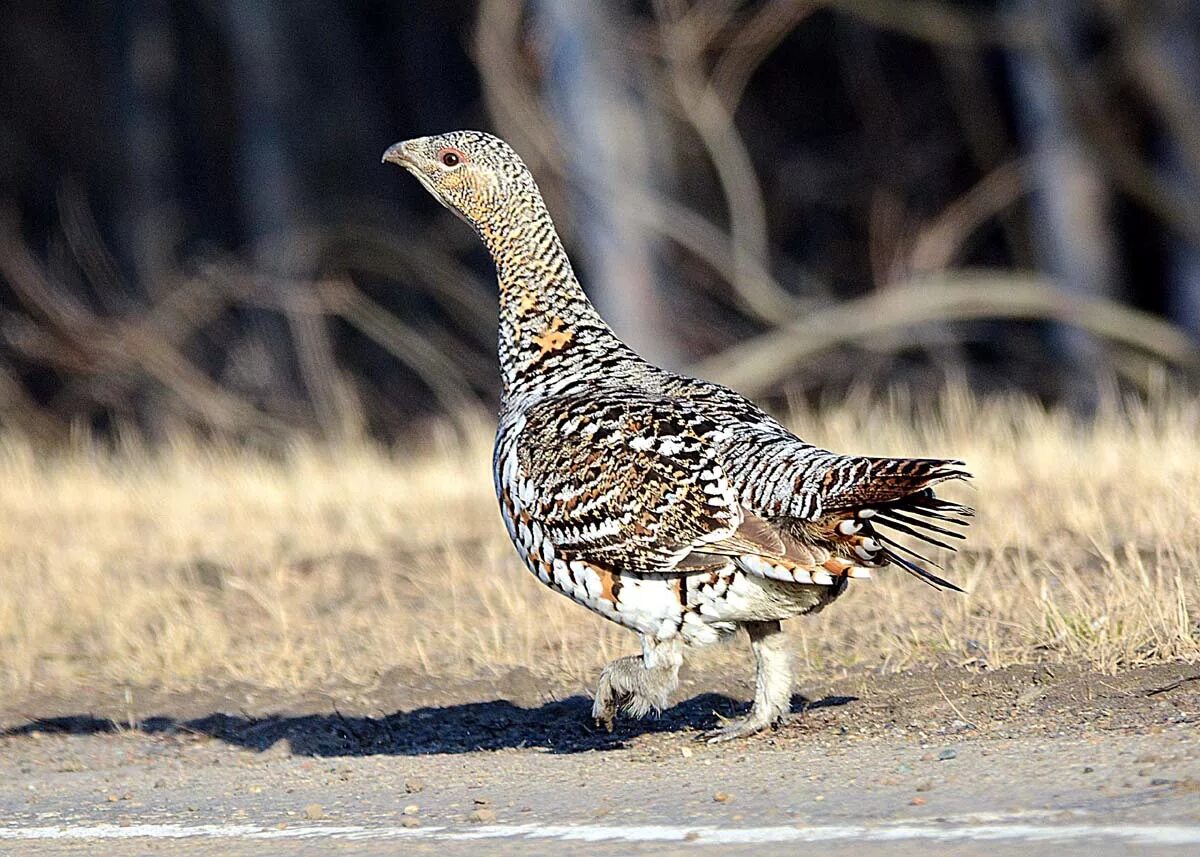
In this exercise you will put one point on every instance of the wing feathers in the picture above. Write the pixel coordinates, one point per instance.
(755, 535)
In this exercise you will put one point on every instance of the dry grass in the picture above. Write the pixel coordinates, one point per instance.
(194, 566)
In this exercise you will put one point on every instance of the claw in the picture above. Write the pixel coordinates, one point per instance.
(744, 727)
(604, 708)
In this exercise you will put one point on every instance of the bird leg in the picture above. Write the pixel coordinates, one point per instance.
(772, 685)
(638, 684)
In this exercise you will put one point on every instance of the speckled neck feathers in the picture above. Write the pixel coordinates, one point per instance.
(548, 327)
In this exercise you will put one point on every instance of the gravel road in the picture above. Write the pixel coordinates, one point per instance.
(965, 771)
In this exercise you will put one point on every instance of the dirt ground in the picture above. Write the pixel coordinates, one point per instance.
(1093, 763)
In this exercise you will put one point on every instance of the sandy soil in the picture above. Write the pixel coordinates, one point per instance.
(906, 762)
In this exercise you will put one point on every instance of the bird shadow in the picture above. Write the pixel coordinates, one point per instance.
(560, 726)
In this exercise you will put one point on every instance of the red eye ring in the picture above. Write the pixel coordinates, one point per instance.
(451, 157)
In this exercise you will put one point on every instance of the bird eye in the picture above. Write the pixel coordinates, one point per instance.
(451, 158)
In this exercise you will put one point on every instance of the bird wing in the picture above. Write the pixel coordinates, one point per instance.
(828, 507)
(624, 480)
(826, 502)
(629, 481)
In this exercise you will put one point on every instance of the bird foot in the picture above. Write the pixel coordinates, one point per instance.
(753, 723)
(628, 687)
(605, 707)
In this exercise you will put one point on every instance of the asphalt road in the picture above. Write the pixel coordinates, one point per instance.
(137, 792)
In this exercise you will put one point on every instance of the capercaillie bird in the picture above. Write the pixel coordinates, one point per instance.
(670, 505)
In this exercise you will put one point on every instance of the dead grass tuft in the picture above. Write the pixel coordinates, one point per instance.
(195, 566)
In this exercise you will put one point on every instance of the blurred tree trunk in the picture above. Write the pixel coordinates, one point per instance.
(260, 364)
(268, 188)
(1071, 202)
(151, 215)
(1176, 48)
(603, 131)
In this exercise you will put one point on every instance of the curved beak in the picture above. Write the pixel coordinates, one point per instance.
(398, 154)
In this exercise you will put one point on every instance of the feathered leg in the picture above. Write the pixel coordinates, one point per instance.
(638, 684)
(772, 684)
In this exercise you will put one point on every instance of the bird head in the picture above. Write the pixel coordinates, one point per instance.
(475, 175)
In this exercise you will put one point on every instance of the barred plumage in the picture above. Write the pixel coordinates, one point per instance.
(671, 505)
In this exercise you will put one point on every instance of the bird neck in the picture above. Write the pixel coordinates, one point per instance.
(549, 329)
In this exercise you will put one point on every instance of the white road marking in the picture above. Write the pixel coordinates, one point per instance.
(933, 830)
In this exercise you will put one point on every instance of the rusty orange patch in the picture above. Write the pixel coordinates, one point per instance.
(607, 581)
(553, 338)
(527, 304)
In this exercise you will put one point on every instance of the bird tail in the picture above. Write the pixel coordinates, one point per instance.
(897, 495)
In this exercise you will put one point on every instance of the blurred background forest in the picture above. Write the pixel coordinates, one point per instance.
(795, 198)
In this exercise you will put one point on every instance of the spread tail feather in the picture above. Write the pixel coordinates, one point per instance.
(897, 494)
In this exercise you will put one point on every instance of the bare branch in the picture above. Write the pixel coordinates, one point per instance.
(1160, 80)
(511, 100)
(707, 113)
(753, 43)
(758, 365)
(457, 288)
(940, 241)
(442, 375)
(942, 23)
(708, 242)
(116, 346)
(1120, 152)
